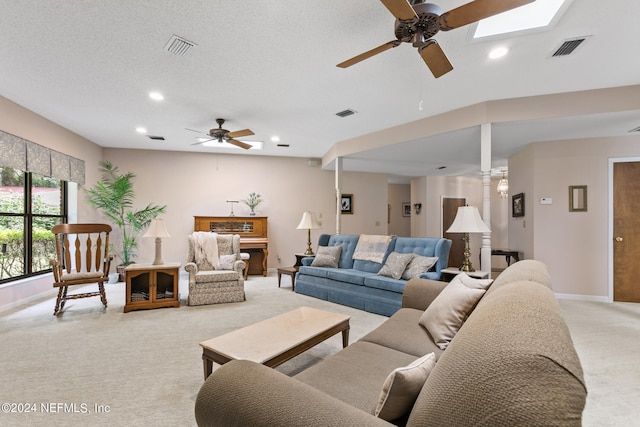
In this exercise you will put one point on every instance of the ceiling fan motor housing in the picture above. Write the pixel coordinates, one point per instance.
(420, 30)
(219, 134)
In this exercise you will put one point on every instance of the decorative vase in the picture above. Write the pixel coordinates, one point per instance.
(252, 213)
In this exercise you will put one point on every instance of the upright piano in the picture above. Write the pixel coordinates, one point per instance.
(252, 231)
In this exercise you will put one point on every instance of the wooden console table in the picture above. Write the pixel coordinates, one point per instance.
(252, 231)
(507, 253)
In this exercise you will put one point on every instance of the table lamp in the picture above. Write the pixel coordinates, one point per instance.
(157, 230)
(309, 223)
(467, 221)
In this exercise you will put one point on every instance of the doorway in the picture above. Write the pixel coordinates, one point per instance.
(626, 230)
(450, 207)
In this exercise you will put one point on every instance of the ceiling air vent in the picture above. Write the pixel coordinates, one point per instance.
(179, 46)
(156, 138)
(346, 113)
(568, 46)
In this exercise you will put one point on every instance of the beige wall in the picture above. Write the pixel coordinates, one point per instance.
(19, 121)
(574, 245)
(193, 184)
(398, 194)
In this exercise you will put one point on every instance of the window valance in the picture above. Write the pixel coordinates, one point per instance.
(25, 155)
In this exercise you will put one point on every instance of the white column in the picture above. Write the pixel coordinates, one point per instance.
(338, 177)
(485, 168)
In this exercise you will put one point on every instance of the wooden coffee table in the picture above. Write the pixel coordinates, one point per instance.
(274, 341)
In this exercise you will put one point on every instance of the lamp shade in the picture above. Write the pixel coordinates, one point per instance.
(468, 220)
(157, 229)
(308, 221)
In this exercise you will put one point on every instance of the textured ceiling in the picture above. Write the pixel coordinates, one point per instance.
(270, 67)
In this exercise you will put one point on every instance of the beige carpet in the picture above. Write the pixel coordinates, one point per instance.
(144, 367)
(607, 338)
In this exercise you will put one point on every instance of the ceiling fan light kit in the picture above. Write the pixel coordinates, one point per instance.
(418, 21)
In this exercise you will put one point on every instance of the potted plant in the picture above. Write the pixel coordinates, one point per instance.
(252, 201)
(113, 195)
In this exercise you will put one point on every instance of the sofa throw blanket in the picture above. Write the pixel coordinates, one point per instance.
(371, 247)
(205, 246)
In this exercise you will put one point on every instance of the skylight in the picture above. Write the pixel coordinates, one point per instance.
(538, 14)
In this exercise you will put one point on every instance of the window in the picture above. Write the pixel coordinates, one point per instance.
(30, 205)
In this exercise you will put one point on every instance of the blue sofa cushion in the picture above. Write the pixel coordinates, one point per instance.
(313, 271)
(385, 283)
(348, 243)
(353, 276)
(428, 247)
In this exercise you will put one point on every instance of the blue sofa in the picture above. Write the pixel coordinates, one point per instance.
(355, 283)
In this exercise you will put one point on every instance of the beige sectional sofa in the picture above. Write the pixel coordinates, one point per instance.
(512, 363)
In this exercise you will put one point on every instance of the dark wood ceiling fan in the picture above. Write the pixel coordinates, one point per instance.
(223, 135)
(418, 21)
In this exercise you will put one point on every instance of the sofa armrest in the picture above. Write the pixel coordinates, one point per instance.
(238, 266)
(419, 293)
(431, 275)
(245, 393)
(192, 269)
(307, 260)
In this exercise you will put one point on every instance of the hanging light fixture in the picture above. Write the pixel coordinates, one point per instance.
(503, 186)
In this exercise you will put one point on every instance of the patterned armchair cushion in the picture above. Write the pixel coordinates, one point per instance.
(228, 247)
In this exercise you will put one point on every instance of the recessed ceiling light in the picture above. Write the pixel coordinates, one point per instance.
(498, 52)
(275, 139)
(538, 14)
(140, 129)
(157, 96)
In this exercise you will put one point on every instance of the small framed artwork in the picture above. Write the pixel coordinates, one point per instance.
(517, 205)
(577, 198)
(406, 209)
(346, 203)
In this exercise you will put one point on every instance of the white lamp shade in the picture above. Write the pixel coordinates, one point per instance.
(157, 229)
(468, 220)
(308, 222)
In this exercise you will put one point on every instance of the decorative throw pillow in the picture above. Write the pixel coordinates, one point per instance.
(448, 311)
(418, 265)
(395, 265)
(401, 388)
(226, 262)
(327, 256)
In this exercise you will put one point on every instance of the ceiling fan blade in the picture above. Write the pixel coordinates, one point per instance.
(369, 54)
(239, 143)
(202, 142)
(240, 133)
(198, 131)
(433, 55)
(477, 10)
(401, 9)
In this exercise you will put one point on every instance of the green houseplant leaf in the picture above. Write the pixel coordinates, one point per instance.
(113, 195)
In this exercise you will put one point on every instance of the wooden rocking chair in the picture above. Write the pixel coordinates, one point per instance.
(89, 262)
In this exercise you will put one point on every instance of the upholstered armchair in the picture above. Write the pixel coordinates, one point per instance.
(215, 268)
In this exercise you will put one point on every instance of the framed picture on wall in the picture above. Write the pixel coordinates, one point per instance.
(406, 209)
(517, 205)
(346, 203)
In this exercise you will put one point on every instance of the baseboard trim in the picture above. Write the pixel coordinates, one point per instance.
(576, 297)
